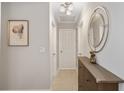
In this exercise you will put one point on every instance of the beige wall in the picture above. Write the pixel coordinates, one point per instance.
(26, 68)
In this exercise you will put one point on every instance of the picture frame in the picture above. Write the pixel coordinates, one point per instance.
(18, 33)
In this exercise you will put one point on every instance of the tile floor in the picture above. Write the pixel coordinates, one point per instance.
(66, 80)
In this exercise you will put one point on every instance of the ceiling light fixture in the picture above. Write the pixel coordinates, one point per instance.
(67, 8)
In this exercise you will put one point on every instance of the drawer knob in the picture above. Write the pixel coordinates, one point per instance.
(87, 80)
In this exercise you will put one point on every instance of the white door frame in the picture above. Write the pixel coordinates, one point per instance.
(51, 23)
(53, 53)
(76, 39)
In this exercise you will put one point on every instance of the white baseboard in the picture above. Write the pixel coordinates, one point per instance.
(45, 90)
(67, 68)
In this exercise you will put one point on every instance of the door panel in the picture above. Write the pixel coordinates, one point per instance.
(67, 48)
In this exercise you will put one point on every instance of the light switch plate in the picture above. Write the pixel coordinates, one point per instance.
(42, 49)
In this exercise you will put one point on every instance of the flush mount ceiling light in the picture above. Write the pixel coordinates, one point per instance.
(67, 8)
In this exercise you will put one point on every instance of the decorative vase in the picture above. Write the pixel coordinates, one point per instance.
(92, 57)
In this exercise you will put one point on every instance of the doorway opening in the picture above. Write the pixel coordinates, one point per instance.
(64, 46)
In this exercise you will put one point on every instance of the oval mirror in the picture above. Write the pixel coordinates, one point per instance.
(98, 29)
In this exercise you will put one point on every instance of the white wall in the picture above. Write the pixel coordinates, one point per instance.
(80, 38)
(26, 68)
(112, 56)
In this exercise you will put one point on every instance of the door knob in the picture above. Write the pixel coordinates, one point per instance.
(61, 51)
(54, 54)
(79, 54)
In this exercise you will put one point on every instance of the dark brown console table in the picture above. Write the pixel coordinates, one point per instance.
(93, 77)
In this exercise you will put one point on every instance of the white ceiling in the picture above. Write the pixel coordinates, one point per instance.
(64, 20)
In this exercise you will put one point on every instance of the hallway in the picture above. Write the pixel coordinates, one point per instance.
(64, 45)
(66, 80)
(51, 45)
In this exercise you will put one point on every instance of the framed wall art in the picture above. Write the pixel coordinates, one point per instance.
(18, 32)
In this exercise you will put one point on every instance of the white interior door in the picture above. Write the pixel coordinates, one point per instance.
(67, 49)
